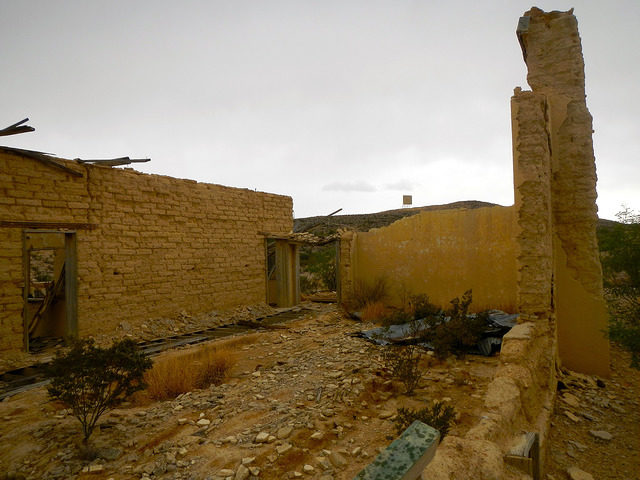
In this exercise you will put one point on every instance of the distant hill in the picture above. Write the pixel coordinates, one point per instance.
(323, 225)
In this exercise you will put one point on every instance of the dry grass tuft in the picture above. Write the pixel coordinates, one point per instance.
(186, 371)
(373, 311)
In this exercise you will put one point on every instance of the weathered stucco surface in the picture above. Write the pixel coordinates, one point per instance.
(553, 54)
(147, 245)
(443, 254)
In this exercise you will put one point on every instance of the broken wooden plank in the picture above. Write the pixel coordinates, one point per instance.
(16, 128)
(39, 157)
(525, 455)
(114, 162)
(48, 225)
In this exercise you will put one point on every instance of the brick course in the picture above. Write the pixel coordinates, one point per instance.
(154, 246)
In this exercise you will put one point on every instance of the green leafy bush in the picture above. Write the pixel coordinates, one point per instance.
(620, 256)
(91, 380)
(319, 264)
(438, 416)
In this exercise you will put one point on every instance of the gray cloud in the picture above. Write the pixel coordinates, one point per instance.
(358, 186)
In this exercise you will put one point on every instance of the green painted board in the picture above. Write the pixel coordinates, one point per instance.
(406, 457)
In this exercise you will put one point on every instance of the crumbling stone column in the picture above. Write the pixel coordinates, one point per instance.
(532, 182)
(553, 53)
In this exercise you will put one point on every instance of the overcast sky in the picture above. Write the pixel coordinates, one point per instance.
(339, 104)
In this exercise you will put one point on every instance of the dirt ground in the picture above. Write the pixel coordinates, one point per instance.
(609, 406)
(306, 400)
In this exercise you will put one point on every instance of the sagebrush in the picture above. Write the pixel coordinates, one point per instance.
(456, 331)
(404, 363)
(90, 380)
(439, 416)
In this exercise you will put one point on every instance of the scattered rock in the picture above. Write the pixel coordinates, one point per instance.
(601, 434)
(571, 416)
(337, 460)
(571, 400)
(284, 448)
(308, 469)
(203, 422)
(262, 437)
(576, 474)
(284, 432)
(242, 473)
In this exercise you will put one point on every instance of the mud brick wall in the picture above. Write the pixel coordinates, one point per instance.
(148, 246)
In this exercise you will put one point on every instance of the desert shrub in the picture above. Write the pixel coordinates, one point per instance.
(369, 292)
(620, 249)
(404, 363)
(421, 307)
(308, 283)
(438, 416)
(396, 317)
(457, 334)
(319, 263)
(184, 372)
(620, 256)
(624, 321)
(91, 380)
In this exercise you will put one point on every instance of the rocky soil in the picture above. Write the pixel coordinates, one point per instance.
(303, 401)
(308, 400)
(595, 430)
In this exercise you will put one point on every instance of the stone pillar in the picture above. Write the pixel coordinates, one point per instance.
(532, 183)
(553, 53)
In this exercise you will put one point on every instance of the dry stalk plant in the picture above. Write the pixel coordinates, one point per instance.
(184, 372)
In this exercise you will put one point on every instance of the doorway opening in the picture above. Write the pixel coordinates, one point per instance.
(50, 296)
(283, 280)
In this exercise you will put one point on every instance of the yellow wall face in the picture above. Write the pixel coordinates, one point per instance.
(443, 253)
(147, 246)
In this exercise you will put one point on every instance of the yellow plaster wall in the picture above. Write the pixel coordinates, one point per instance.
(443, 253)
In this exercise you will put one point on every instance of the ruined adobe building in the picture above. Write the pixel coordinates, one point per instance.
(128, 246)
(540, 256)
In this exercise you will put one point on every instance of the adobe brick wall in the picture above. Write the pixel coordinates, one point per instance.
(147, 245)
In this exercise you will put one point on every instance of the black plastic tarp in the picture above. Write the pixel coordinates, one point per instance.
(498, 323)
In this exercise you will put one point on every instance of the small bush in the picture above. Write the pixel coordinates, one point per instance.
(421, 307)
(404, 363)
(185, 372)
(396, 317)
(91, 380)
(457, 335)
(624, 322)
(438, 416)
(365, 292)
